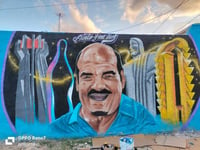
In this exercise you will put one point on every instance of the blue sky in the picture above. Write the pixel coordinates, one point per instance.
(107, 16)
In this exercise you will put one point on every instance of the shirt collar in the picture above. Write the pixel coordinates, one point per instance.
(75, 114)
(127, 106)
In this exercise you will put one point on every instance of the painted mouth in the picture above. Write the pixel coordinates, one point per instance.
(98, 96)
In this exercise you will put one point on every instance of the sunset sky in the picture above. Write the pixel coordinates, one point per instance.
(94, 16)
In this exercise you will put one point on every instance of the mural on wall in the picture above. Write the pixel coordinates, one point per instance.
(80, 85)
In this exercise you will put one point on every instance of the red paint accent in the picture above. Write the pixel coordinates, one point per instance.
(36, 44)
(42, 44)
(28, 43)
(20, 44)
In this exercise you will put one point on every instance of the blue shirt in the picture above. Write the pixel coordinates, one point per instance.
(132, 118)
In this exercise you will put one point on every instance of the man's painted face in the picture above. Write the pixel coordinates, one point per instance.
(99, 84)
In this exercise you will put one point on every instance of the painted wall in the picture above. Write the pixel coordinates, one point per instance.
(38, 82)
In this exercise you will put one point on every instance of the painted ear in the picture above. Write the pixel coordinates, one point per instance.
(123, 79)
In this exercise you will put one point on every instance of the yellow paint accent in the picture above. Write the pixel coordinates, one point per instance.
(190, 86)
(56, 81)
(189, 70)
(187, 61)
(12, 61)
(186, 55)
(190, 95)
(165, 77)
(172, 113)
(190, 103)
(127, 55)
(185, 88)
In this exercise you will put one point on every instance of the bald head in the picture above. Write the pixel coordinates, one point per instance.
(98, 53)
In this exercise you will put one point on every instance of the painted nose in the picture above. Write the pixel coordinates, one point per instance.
(98, 84)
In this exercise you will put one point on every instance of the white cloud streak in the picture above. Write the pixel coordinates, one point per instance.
(188, 8)
(132, 9)
(77, 20)
(141, 10)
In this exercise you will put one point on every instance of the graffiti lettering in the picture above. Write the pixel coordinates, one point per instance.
(103, 38)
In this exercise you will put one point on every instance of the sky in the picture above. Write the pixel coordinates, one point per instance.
(99, 16)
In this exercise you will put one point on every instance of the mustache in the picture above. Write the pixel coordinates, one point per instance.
(101, 91)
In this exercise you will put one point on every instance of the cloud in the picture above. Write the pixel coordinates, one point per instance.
(83, 7)
(187, 8)
(143, 10)
(84, 22)
(77, 20)
(132, 9)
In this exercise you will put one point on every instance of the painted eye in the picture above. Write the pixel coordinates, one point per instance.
(108, 76)
(87, 77)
